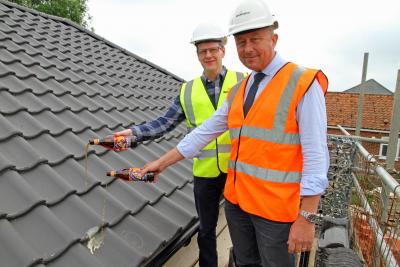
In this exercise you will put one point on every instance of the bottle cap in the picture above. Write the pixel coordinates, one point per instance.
(94, 141)
(111, 173)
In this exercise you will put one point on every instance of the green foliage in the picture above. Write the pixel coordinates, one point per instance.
(75, 10)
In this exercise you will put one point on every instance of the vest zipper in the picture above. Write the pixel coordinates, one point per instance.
(237, 155)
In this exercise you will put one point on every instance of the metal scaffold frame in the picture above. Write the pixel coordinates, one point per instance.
(378, 209)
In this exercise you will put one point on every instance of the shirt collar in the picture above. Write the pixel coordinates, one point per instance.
(275, 65)
(220, 76)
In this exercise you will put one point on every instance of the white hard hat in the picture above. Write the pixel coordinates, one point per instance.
(208, 32)
(251, 14)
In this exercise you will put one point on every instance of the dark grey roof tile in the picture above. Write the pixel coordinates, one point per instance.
(162, 226)
(106, 206)
(72, 144)
(44, 232)
(185, 200)
(7, 57)
(175, 212)
(138, 236)
(12, 84)
(133, 117)
(16, 197)
(88, 134)
(125, 193)
(92, 120)
(79, 121)
(21, 153)
(77, 104)
(14, 252)
(8, 103)
(52, 122)
(73, 207)
(116, 252)
(7, 129)
(77, 255)
(49, 148)
(54, 103)
(31, 102)
(123, 102)
(118, 160)
(27, 124)
(89, 89)
(5, 164)
(119, 118)
(48, 183)
(106, 118)
(96, 102)
(75, 175)
(97, 167)
(187, 190)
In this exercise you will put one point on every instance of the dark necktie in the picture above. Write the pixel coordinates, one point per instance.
(252, 92)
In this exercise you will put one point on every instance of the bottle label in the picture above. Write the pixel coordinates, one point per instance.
(121, 143)
(134, 174)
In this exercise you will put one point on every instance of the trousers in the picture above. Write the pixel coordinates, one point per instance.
(207, 196)
(258, 241)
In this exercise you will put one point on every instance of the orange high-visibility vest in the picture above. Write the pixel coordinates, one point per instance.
(266, 160)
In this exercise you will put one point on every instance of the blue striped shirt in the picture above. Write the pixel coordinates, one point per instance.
(174, 115)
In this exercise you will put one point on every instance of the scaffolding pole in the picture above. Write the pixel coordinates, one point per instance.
(361, 95)
(394, 128)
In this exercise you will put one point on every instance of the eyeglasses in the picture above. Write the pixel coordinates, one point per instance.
(213, 51)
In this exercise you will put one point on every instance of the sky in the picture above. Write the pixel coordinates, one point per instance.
(328, 35)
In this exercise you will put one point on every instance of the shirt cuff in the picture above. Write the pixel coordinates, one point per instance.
(313, 185)
(186, 149)
(138, 133)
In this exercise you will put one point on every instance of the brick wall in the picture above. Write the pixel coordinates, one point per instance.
(342, 109)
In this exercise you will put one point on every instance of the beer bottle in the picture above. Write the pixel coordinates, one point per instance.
(132, 174)
(116, 143)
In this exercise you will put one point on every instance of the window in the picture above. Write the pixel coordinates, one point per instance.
(383, 149)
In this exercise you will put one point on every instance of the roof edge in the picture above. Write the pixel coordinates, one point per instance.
(79, 27)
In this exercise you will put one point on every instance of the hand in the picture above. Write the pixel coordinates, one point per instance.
(301, 235)
(127, 132)
(154, 166)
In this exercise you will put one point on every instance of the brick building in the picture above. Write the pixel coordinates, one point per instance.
(377, 114)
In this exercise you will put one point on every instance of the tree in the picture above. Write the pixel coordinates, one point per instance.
(75, 10)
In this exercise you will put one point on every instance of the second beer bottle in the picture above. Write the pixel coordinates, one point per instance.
(116, 143)
(132, 174)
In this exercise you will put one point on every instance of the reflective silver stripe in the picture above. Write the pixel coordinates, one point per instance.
(211, 153)
(273, 135)
(188, 103)
(286, 99)
(233, 93)
(239, 76)
(276, 134)
(234, 133)
(266, 174)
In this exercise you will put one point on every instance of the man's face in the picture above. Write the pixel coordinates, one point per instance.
(256, 49)
(210, 55)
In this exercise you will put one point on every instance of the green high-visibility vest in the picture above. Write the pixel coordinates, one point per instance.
(198, 107)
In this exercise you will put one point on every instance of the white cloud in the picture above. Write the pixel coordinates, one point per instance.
(331, 35)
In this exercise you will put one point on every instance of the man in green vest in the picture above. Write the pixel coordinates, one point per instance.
(198, 100)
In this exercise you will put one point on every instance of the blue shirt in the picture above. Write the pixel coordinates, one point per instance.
(174, 115)
(311, 117)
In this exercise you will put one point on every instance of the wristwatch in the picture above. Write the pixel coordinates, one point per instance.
(309, 216)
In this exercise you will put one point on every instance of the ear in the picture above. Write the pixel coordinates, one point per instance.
(274, 39)
(223, 51)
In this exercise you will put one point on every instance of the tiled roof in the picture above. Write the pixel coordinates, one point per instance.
(341, 109)
(370, 87)
(61, 85)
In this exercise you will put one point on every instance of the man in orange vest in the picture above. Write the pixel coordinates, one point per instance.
(279, 157)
